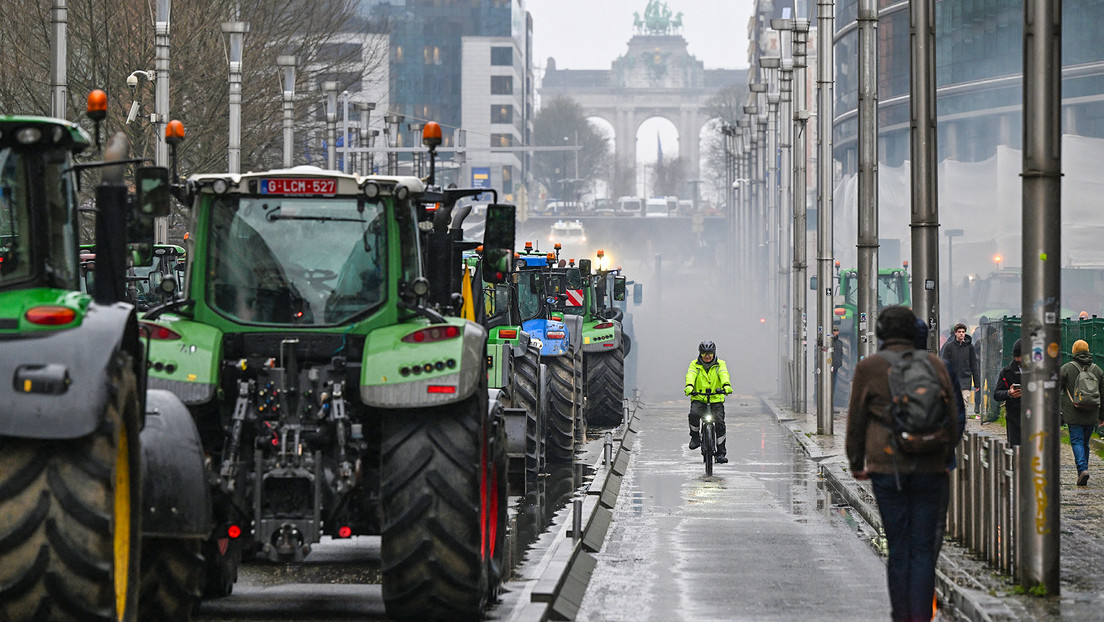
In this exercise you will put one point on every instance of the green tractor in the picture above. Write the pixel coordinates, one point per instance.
(515, 366)
(96, 473)
(541, 290)
(144, 280)
(331, 395)
(605, 343)
(894, 288)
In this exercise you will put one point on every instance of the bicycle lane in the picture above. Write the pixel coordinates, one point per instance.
(757, 541)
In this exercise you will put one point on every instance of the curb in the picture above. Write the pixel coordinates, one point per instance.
(564, 570)
(961, 595)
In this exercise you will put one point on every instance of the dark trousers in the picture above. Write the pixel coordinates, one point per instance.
(697, 409)
(910, 518)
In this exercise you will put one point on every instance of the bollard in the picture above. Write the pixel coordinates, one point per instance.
(577, 518)
(996, 458)
(607, 450)
(1017, 484)
(976, 500)
(1007, 505)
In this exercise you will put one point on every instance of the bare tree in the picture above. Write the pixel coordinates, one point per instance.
(109, 40)
(724, 107)
(561, 123)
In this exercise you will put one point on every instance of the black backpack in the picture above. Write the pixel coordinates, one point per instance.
(916, 413)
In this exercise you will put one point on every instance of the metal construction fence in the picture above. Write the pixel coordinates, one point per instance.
(982, 515)
(994, 340)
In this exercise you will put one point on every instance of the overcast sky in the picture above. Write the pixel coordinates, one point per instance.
(591, 34)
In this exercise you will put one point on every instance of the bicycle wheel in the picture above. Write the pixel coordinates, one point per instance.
(709, 445)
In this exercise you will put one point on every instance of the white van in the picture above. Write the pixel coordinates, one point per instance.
(631, 206)
(656, 207)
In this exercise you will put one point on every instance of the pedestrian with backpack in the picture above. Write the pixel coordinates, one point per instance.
(1082, 383)
(901, 431)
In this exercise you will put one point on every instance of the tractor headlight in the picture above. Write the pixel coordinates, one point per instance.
(220, 186)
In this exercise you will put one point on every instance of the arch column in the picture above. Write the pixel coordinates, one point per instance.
(625, 143)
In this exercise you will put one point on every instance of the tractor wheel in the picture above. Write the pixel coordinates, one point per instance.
(525, 393)
(220, 564)
(172, 572)
(440, 492)
(560, 431)
(69, 529)
(605, 388)
(495, 483)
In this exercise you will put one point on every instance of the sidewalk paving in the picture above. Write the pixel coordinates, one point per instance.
(968, 587)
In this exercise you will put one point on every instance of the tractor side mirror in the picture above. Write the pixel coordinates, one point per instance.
(638, 293)
(619, 288)
(152, 184)
(584, 267)
(498, 243)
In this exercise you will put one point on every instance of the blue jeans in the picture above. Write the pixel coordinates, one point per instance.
(910, 519)
(1079, 440)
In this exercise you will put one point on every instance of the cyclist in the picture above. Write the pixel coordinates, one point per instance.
(707, 372)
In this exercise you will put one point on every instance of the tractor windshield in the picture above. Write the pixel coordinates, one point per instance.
(529, 294)
(53, 261)
(298, 261)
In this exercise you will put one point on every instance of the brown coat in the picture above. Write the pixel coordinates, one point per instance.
(868, 433)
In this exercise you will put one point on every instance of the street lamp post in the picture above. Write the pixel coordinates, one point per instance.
(161, 99)
(235, 32)
(365, 109)
(287, 78)
(393, 121)
(415, 155)
(329, 88)
(951, 235)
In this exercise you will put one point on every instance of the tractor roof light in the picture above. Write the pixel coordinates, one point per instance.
(28, 135)
(174, 132)
(557, 246)
(401, 192)
(371, 190)
(220, 186)
(528, 246)
(97, 105)
(431, 135)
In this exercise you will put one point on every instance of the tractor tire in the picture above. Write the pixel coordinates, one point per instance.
(525, 393)
(495, 513)
(172, 573)
(439, 503)
(70, 520)
(605, 385)
(220, 566)
(560, 431)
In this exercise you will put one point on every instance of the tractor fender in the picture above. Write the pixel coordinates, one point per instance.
(461, 369)
(176, 501)
(522, 345)
(68, 374)
(574, 324)
(601, 341)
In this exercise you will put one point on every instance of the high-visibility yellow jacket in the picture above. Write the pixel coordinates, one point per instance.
(714, 377)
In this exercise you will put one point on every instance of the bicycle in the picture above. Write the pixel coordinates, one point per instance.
(708, 432)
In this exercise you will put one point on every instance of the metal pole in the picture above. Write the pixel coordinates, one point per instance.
(345, 153)
(925, 200)
(825, 65)
(287, 72)
(867, 246)
(59, 53)
(236, 32)
(161, 100)
(329, 88)
(1040, 500)
(800, 118)
(393, 120)
(785, 203)
(365, 109)
(778, 295)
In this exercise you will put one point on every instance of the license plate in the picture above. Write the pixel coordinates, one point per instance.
(298, 186)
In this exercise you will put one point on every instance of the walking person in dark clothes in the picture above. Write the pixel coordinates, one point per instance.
(961, 352)
(909, 487)
(1008, 391)
(1080, 419)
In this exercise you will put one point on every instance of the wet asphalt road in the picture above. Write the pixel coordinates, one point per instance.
(757, 541)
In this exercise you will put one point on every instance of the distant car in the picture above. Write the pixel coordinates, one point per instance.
(656, 208)
(685, 207)
(603, 207)
(561, 207)
(630, 206)
(567, 232)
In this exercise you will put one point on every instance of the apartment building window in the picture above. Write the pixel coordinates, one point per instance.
(398, 54)
(502, 56)
(502, 85)
(502, 140)
(431, 55)
(507, 179)
(502, 113)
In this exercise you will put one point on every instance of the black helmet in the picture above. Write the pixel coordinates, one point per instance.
(707, 347)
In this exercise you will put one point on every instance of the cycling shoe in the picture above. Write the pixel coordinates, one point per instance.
(695, 443)
(720, 459)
